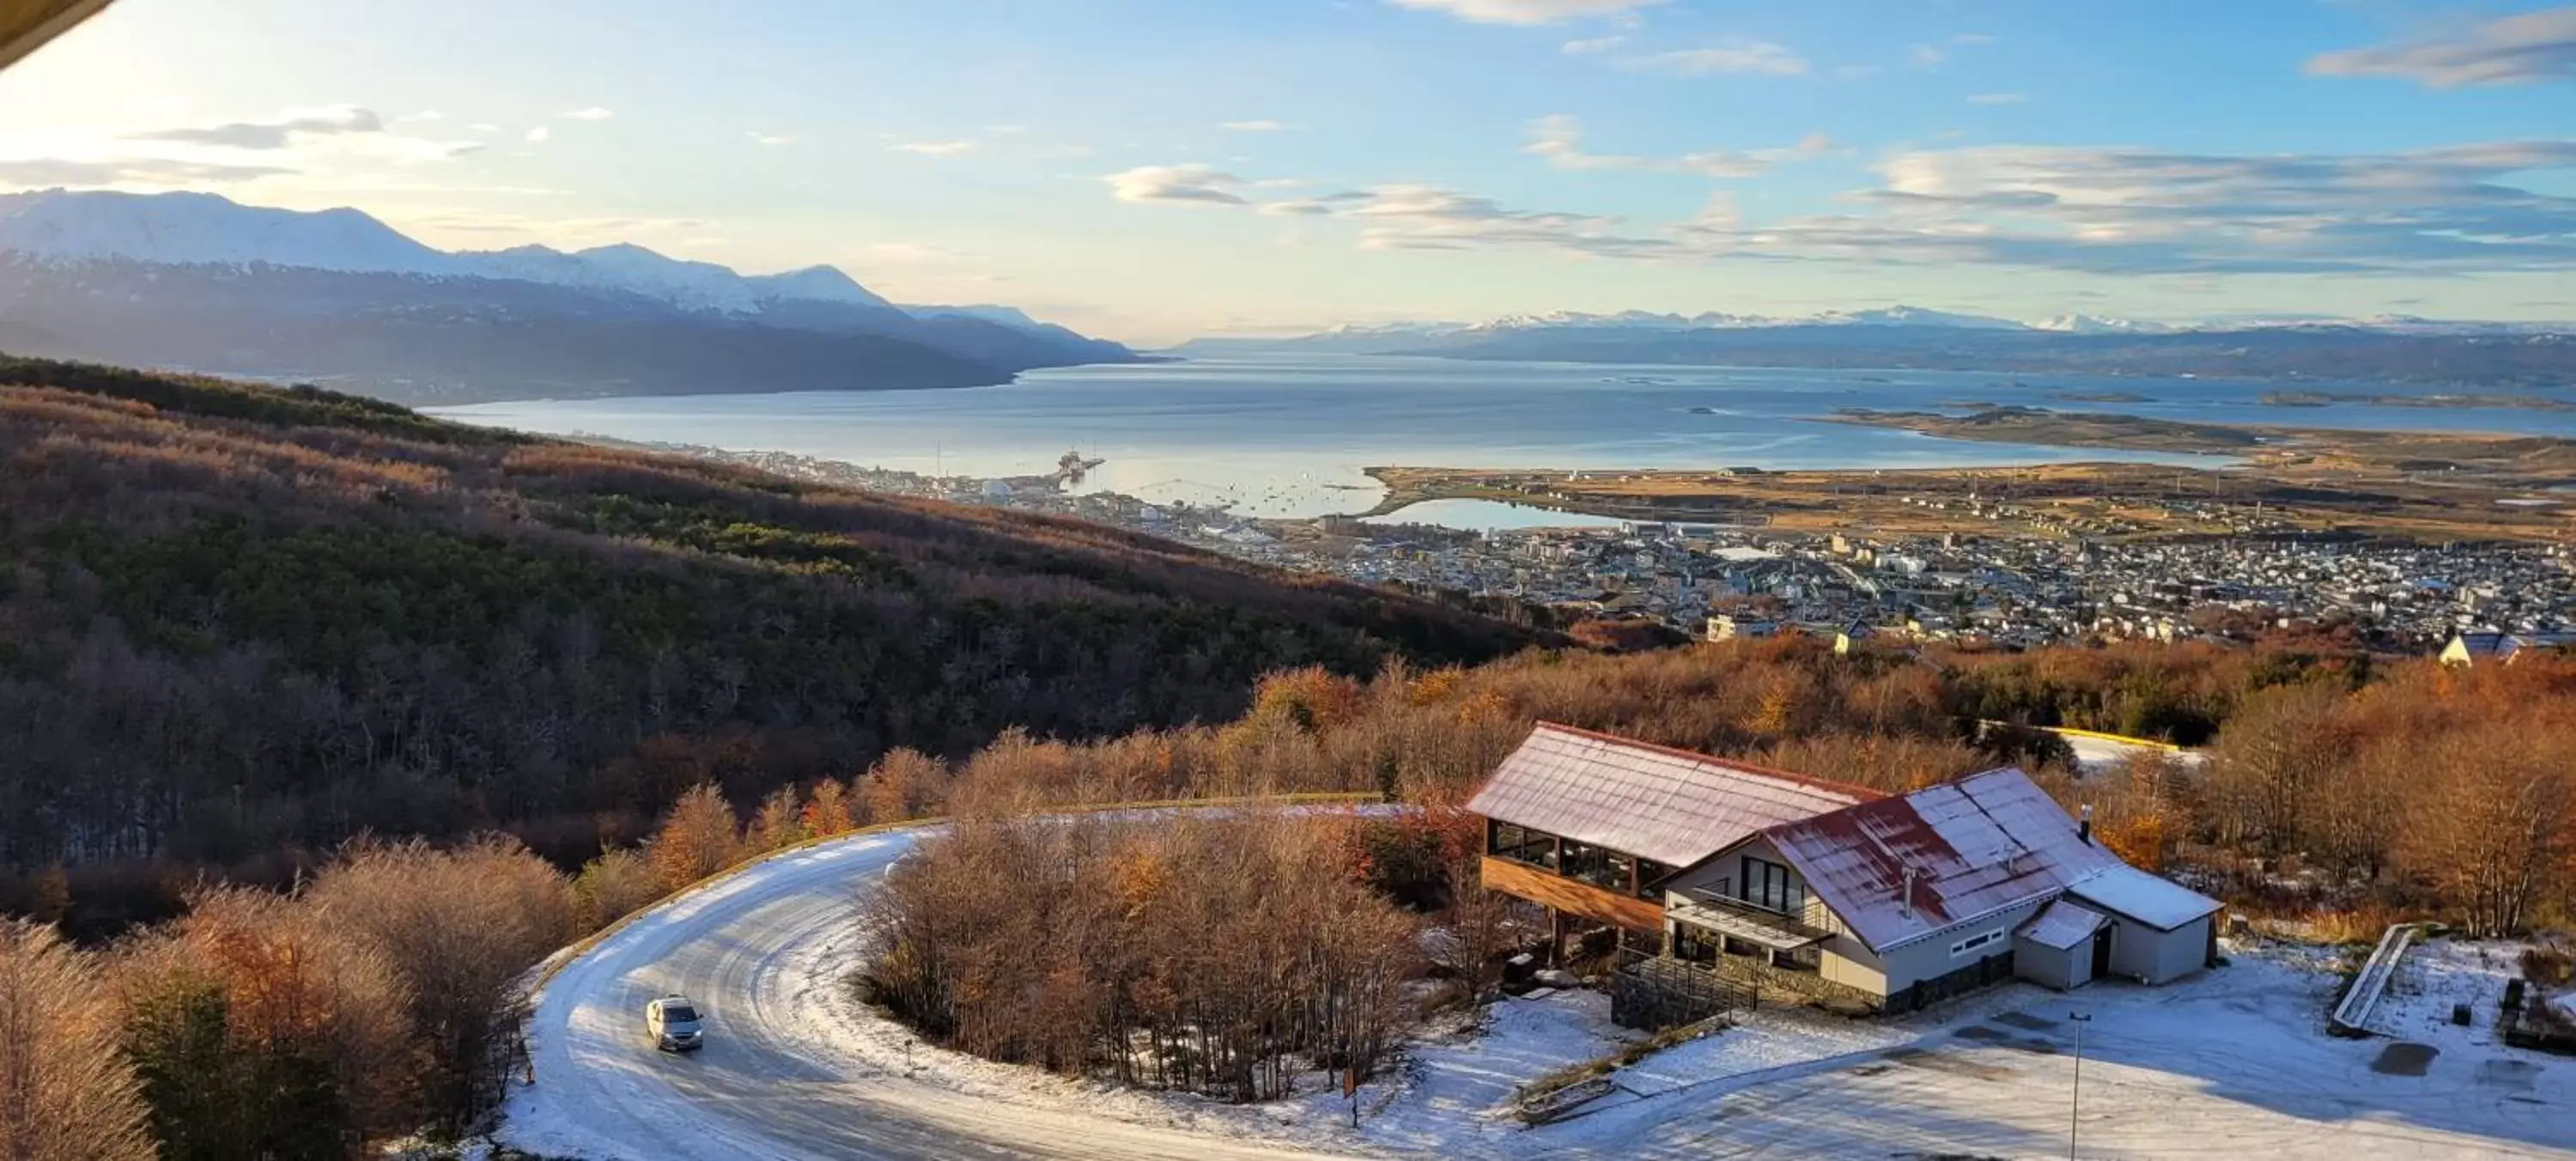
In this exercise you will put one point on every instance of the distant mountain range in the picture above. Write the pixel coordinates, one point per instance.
(2385, 348)
(199, 282)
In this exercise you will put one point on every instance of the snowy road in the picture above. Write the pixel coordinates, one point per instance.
(2231, 1064)
(774, 1081)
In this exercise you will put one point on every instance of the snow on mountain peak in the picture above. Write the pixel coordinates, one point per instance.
(210, 229)
(205, 229)
(2085, 324)
(821, 283)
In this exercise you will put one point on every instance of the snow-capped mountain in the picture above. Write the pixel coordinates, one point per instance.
(196, 228)
(184, 229)
(624, 267)
(199, 282)
(816, 284)
(1908, 316)
(2085, 324)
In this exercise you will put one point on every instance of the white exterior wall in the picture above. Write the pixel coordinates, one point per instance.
(2064, 969)
(1930, 958)
(2143, 953)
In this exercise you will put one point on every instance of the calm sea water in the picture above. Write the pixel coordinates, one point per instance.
(1289, 436)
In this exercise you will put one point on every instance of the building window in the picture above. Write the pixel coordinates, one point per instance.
(1804, 959)
(1599, 866)
(1770, 886)
(1743, 947)
(1649, 874)
(1523, 845)
(1974, 943)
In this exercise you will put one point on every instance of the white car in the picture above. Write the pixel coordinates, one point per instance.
(672, 1021)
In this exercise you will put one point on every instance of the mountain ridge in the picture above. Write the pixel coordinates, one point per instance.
(197, 282)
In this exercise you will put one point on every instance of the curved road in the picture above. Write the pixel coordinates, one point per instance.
(772, 1083)
(2231, 1064)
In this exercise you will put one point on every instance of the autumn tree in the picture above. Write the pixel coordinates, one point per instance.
(66, 1093)
(459, 927)
(779, 823)
(2499, 828)
(613, 886)
(827, 810)
(700, 837)
(905, 784)
(260, 1028)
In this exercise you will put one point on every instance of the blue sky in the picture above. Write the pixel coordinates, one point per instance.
(1157, 168)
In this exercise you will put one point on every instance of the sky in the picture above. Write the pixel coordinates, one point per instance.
(1155, 169)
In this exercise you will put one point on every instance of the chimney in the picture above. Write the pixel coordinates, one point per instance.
(2084, 828)
(1908, 900)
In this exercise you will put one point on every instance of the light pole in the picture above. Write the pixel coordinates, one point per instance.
(2075, 1096)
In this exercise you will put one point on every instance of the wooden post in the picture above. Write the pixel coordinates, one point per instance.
(1555, 937)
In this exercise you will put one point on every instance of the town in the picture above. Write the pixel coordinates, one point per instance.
(2006, 590)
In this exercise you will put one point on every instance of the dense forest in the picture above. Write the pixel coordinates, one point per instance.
(238, 623)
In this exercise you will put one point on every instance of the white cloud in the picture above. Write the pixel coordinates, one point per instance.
(1594, 46)
(539, 134)
(1526, 11)
(1926, 56)
(1191, 184)
(424, 115)
(2111, 211)
(2509, 50)
(1996, 98)
(1559, 139)
(1256, 126)
(304, 135)
(1740, 56)
(760, 138)
(482, 127)
(934, 148)
(593, 113)
(2135, 211)
(1006, 130)
(276, 134)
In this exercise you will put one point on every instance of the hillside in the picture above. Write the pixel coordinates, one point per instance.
(235, 620)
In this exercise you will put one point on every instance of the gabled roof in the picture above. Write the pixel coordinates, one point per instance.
(1982, 844)
(2153, 900)
(1672, 806)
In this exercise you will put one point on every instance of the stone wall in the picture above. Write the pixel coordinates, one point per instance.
(1768, 981)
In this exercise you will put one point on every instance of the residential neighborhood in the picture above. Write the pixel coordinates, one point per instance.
(2005, 591)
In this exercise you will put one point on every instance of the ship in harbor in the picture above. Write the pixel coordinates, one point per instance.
(1073, 466)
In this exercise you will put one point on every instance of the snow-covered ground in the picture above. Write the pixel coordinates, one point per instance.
(2234, 1062)
(2438, 973)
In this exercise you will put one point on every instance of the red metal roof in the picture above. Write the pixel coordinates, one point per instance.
(1979, 845)
(1672, 806)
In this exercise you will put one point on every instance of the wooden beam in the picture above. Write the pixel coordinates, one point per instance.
(25, 25)
(1573, 896)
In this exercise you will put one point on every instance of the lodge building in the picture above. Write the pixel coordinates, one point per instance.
(1727, 879)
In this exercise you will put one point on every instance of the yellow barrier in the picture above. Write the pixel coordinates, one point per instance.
(583, 946)
(2123, 739)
